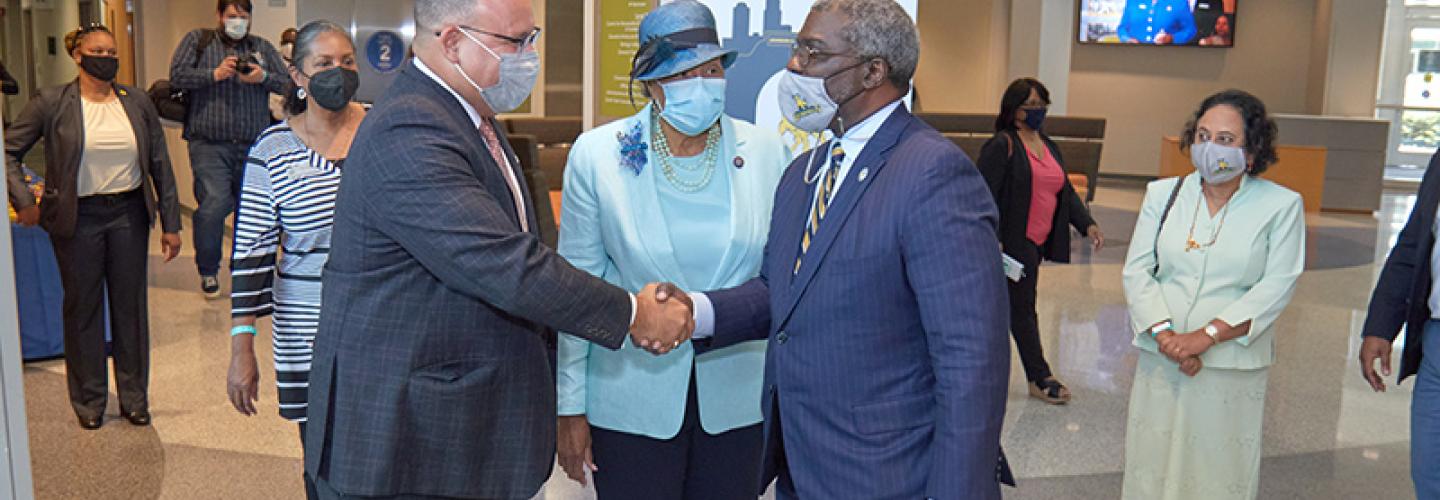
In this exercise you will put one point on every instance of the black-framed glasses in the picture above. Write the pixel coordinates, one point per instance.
(521, 43)
(805, 54)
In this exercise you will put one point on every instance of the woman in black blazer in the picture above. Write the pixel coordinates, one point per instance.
(1036, 201)
(107, 174)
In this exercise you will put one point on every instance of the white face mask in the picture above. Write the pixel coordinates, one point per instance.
(518, 73)
(1217, 164)
(805, 102)
(236, 28)
(287, 50)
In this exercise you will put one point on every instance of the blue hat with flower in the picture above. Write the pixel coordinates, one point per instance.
(675, 38)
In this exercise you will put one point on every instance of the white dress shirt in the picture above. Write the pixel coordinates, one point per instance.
(853, 142)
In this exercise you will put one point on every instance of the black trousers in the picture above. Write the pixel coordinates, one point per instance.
(693, 465)
(106, 258)
(1023, 323)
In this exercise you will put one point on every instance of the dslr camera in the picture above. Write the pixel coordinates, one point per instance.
(244, 60)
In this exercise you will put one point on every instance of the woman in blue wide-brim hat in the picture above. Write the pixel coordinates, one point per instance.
(677, 193)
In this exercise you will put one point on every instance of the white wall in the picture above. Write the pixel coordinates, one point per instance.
(1147, 93)
(55, 22)
(1356, 41)
(964, 55)
(1040, 34)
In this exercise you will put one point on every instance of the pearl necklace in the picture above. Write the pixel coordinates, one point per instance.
(707, 163)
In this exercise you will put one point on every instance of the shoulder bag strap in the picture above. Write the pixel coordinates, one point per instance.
(1155, 249)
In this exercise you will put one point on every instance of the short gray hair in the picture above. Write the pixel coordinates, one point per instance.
(880, 29)
(435, 14)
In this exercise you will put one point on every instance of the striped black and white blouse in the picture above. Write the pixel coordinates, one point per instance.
(287, 207)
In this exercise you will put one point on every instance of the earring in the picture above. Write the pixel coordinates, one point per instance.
(300, 92)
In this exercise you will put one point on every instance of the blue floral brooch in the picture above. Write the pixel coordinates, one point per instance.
(633, 148)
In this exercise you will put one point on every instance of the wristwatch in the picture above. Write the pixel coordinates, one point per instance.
(1213, 332)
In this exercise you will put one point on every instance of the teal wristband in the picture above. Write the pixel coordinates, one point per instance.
(243, 329)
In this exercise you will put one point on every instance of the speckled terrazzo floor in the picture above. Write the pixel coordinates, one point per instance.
(1327, 436)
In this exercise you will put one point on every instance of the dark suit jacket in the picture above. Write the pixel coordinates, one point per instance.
(56, 115)
(1006, 167)
(8, 85)
(889, 353)
(430, 374)
(1402, 296)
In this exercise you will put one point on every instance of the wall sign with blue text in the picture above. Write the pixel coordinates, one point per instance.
(385, 51)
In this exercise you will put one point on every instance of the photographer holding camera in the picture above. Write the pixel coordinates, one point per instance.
(229, 75)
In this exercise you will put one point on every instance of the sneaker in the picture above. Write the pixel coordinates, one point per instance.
(210, 286)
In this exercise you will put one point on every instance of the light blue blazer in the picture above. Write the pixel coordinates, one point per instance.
(612, 226)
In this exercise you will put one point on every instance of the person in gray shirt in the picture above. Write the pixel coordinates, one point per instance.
(228, 74)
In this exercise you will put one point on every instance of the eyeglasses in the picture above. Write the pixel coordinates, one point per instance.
(806, 54)
(522, 43)
(1224, 138)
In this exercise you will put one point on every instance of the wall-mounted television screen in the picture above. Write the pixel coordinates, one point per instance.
(1203, 23)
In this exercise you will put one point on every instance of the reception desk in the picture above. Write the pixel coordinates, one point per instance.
(1354, 156)
(1300, 168)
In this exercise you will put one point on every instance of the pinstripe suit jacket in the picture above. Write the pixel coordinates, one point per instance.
(430, 374)
(889, 352)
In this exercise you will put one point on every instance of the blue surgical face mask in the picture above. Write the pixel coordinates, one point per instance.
(693, 105)
(1034, 117)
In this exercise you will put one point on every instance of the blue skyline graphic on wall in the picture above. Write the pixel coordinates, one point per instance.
(761, 54)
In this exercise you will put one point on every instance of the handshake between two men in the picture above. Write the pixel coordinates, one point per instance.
(664, 318)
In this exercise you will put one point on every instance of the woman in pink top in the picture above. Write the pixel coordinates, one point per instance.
(1036, 201)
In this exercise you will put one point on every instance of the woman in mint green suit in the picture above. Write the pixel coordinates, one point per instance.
(676, 193)
(1212, 265)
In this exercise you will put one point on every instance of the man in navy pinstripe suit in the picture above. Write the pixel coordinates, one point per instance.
(881, 293)
(430, 378)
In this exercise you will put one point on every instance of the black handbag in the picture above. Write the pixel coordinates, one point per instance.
(172, 103)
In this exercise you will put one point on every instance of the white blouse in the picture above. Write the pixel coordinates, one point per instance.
(111, 161)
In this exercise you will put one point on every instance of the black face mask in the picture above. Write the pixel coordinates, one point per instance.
(102, 68)
(333, 88)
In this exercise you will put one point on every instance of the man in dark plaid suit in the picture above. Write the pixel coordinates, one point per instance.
(430, 377)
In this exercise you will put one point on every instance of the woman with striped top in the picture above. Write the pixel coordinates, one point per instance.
(287, 205)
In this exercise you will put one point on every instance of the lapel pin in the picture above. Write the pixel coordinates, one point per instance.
(739, 162)
(864, 174)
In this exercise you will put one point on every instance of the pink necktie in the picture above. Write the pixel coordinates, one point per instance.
(492, 142)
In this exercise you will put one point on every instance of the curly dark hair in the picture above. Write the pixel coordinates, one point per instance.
(1260, 129)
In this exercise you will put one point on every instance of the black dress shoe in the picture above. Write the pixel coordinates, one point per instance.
(91, 423)
(140, 418)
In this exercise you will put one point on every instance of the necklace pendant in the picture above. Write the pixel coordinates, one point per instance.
(1191, 244)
